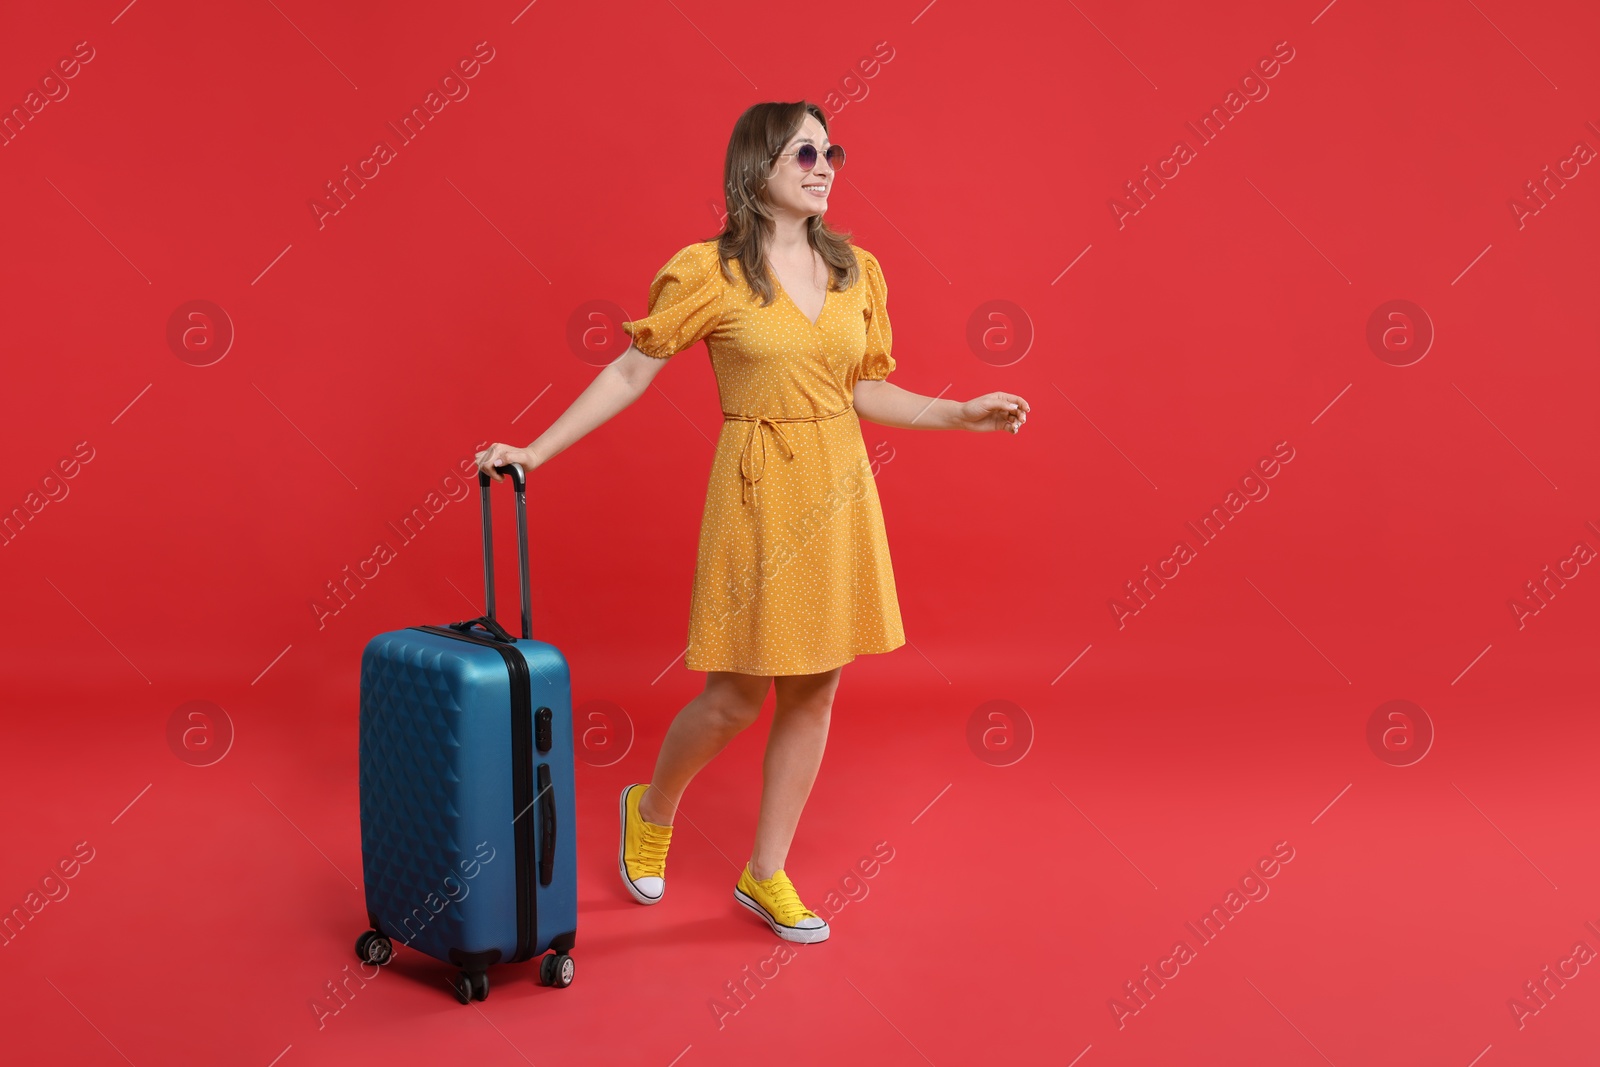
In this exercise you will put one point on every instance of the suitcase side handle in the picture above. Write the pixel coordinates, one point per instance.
(547, 826)
(520, 482)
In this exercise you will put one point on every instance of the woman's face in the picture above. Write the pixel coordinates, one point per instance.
(802, 193)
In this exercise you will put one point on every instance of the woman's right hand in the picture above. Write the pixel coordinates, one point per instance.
(499, 455)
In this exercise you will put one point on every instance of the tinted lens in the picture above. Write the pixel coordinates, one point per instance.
(806, 156)
(835, 156)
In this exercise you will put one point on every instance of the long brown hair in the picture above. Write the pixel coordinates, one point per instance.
(758, 137)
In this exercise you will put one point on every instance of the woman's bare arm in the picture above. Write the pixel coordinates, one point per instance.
(889, 405)
(619, 383)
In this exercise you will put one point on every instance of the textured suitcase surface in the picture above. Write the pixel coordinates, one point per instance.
(468, 835)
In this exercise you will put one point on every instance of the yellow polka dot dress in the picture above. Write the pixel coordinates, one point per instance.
(793, 574)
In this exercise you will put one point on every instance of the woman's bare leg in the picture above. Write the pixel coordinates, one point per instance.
(729, 703)
(794, 754)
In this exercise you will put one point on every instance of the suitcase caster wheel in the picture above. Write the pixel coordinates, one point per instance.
(373, 947)
(480, 986)
(556, 970)
(470, 987)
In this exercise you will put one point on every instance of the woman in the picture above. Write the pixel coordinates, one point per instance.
(793, 577)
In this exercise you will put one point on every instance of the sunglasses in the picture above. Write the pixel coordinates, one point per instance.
(806, 156)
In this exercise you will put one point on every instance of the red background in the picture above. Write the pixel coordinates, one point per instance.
(375, 351)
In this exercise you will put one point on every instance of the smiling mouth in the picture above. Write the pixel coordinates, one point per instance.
(817, 190)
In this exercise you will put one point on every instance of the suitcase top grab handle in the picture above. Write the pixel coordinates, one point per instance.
(520, 482)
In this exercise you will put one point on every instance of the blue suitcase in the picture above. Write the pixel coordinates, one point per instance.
(468, 845)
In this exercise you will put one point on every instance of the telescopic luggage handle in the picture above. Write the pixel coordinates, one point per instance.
(520, 482)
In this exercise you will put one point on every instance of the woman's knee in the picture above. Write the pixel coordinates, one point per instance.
(732, 715)
(818, 708)
(734, 702)
(810, 695)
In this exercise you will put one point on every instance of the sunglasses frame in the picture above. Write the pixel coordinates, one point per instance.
(815, 156)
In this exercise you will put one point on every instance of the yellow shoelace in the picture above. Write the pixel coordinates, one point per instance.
(650, 859)
(786, 900)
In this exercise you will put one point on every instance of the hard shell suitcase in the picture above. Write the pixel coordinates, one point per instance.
(468, 843)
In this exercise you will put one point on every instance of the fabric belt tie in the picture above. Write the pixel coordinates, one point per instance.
(752, 462)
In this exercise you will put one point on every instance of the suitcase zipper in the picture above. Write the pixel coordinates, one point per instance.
(521, 782)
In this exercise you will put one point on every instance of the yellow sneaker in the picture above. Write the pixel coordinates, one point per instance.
(776, 901)
(642, 852)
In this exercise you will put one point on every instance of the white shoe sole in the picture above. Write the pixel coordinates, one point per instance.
(622, 845)
(788, 933)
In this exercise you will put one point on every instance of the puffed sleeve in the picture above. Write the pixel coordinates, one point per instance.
(686, 303)
(878, 363)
